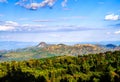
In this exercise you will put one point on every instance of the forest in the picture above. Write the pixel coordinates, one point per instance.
(102, 67)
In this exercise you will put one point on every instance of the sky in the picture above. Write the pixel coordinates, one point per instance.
(60, 20)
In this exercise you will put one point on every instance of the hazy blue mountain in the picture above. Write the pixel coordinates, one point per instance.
(111, 46)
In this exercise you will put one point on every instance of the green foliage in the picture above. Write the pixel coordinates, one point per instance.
(103, 67)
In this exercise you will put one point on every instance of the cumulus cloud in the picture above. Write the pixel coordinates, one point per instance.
(8, 26)
(35, 5)
(30, 4)
(112, 17)
(117, 32)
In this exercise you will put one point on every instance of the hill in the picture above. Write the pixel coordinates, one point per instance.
(43, 50)
(103, 67)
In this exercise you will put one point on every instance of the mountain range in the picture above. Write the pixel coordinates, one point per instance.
(43, 50)
(13, 45)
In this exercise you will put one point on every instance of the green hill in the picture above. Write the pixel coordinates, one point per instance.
(103, 67)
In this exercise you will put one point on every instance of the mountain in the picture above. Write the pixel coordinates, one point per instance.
(42, 44)
(43, 50)
(111, 46)
(13, 45)
(78, 49)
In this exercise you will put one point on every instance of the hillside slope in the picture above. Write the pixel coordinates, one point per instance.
(44, 50)
(103, 67)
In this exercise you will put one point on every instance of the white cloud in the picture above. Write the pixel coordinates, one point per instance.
(117, 32)
(14, 26)
(11, 23)
(6, 28)
(112, 17)
(35, 5)
(47, 2)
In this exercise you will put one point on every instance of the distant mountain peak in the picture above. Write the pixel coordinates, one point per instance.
(42, 44)
(111, 46)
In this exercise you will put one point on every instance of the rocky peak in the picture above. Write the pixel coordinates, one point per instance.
(42, 44)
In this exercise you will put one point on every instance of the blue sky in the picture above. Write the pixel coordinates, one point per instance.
(60, 20)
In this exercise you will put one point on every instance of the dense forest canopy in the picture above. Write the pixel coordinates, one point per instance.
(102, 67)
